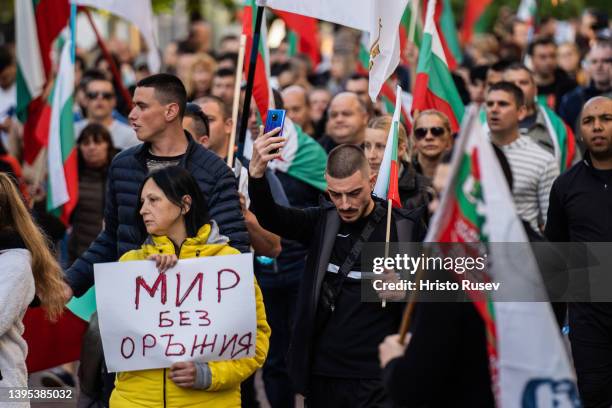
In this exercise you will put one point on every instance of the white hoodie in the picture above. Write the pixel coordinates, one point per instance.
(16, 293)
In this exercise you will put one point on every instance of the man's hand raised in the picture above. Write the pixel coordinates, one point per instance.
(265, 148)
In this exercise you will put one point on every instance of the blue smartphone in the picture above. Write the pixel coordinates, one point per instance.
(275, 119)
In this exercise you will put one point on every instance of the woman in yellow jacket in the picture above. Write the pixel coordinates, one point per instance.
(173, 213)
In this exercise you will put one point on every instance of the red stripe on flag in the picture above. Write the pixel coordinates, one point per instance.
(52, 344)
(425, 99)
(393, 191)
(39, 115)
(450, 58)
(260, 84)
(51, 18)
(72, 183)
(308, 31)
(570, 140)
(473, 11)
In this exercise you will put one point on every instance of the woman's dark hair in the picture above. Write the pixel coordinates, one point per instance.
(99, 133)
(176, 182)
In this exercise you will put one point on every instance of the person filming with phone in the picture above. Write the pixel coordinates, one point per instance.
(332, 357)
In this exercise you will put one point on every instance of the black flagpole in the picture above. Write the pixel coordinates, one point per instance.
(244, 119)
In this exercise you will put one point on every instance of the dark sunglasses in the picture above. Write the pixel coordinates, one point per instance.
(420, 133)
(106, 95)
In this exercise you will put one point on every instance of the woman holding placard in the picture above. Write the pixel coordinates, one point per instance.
(27, 267)
(173, 212)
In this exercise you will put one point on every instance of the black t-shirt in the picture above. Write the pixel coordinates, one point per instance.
(348, 345)
(160, 162)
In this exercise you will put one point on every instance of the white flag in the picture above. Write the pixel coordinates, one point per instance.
(380, 18)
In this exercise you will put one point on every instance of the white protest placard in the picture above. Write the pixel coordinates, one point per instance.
(202, 309)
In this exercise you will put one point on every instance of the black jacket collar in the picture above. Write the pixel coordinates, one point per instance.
(10, 239)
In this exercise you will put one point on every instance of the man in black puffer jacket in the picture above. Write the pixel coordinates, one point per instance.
(159, 104)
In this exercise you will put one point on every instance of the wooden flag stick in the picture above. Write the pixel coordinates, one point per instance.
(248, 93)
(388, 236)
(236, 105)
(407, 317)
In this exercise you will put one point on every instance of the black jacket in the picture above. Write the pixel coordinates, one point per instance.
(127, 171)
(580, 206)
(412, 187)
(446, 362)
(572, 103)
(316, 229)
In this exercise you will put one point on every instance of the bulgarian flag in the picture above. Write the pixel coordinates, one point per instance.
(410, 13)
(562, 137)
(527, 12)
(262, 92)
(447, 30)
(386, 186)
(303, 35)
(37, 25)
(302, 157)
(476, 18)
(434, 87)
(523, 341)
(62, 190)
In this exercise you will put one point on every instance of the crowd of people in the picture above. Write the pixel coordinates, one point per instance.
(154, 184)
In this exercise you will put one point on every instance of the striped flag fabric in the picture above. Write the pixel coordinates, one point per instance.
(62, 191)
(562, 137)
(527, 13)
(303, 35)
(302, 157)
(37, 25)
(523, 341)
(404, 28)
(386, 186)
(380, 18)
(476, 18)
(434, 87)
(262, 91)
(447, 29)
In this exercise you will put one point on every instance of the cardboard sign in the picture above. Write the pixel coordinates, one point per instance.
(202, 309)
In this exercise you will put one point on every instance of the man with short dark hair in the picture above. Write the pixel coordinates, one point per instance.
(159, 106)
(223, 85)
(540, 120)
(359, 85)
(100, 100)
(196, 123)
(551, 80)
(599, 69)
(332, 358)
(579, 211)
(347, 121)
(533, 168)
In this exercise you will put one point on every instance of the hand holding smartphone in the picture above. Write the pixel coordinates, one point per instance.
(275, 119)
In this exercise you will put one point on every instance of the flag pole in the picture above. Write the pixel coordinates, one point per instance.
(236, 105)
(388, 236)
(111, 63)
(414, 11)
(246, 107)
(408, 311)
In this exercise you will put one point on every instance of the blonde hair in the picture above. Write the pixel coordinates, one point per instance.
(201, 60)
(384, 122)
(45, 268)
(440, 115)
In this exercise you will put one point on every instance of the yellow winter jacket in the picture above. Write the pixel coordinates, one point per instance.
(154, 388)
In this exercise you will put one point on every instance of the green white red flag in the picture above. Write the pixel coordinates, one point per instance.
(37, 25)
(527, 12)
(62, 189)
(380, 18)
(476, 18)
(304, 35)
(434, 86)
(447, 30)
(523, 340)
(386, 186)
(262, 91)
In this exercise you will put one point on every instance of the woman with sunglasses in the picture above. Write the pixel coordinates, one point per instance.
(432, 136)
(172, 216)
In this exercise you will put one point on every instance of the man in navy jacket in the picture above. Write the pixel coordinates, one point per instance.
(159, 105)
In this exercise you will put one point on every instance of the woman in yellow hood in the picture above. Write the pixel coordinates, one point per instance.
(173, 212)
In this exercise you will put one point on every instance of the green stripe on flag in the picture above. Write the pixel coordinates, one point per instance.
(468, 207)
(23, 96)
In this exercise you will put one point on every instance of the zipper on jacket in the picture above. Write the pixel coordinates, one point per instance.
(164, 388)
